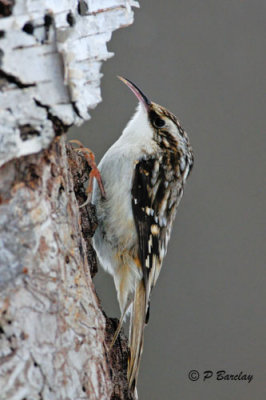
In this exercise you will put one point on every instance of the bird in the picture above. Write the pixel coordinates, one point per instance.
(143, 175)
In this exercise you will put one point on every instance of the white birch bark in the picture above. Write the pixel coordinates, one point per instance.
(53, 335)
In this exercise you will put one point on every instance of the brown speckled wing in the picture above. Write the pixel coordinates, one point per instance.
(155, 192)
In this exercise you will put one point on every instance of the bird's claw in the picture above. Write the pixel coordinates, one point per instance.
(94, 173)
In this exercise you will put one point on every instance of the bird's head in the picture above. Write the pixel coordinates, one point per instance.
(159, 118)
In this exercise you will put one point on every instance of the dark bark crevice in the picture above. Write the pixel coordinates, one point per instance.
(117, 361)
(80, 171)
(58, 125)
(9, 78)
(6, 7)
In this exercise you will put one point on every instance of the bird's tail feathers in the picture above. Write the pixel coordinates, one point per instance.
(136, 335)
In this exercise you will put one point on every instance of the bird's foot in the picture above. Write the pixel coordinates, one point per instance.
(94, 173)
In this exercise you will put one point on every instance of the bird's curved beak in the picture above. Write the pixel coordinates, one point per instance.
(137, 92)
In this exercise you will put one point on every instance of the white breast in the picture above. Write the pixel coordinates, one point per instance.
(115, 217)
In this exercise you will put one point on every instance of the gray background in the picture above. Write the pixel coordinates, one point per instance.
(205, 61)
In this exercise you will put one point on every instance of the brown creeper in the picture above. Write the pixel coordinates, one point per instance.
(143, 175)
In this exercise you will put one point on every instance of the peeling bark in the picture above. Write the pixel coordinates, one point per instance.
(54, 337)
(65, 42)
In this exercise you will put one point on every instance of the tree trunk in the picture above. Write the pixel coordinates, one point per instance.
(53, 335)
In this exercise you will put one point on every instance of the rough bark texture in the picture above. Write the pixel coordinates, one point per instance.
(53, 335)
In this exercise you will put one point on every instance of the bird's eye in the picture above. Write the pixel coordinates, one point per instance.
(159, 123)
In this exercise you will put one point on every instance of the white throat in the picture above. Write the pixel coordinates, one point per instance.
(138, 128)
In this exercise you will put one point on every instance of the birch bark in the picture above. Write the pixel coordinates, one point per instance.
(53, 335)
